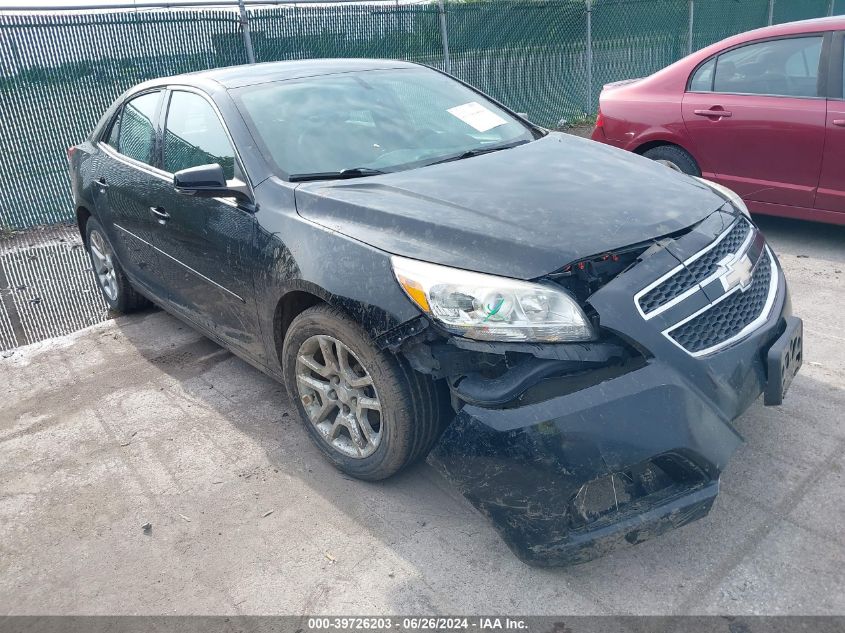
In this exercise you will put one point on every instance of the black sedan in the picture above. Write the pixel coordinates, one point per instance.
(565, 329)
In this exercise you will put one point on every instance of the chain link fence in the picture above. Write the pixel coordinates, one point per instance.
(60, 70)
(547, 58)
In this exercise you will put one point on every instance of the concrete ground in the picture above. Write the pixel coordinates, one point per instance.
(141, 420)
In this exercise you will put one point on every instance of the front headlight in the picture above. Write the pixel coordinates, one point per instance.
(728, 193)
(489, 308)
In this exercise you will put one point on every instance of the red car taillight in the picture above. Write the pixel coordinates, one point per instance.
(599, 119)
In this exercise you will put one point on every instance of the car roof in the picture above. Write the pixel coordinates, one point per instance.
(833, 23)
(250, 74)
(830, 23)
(681, 69)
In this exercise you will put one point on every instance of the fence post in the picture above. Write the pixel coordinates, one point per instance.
(444, 35)
(771, 11)
(250, 53)
(691, 20)
(830, 7)
(589, 56)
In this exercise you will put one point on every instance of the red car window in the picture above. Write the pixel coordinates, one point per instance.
(781, 67)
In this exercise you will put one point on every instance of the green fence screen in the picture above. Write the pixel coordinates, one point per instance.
(547, 58)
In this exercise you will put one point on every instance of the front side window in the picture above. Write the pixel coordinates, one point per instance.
(136, 129)
(384, 120)
(195, 136)
(784, 67)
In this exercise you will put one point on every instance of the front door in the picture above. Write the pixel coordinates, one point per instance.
(757, 121)
(207, 242)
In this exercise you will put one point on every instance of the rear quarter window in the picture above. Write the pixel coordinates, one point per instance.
(110, 137)
(702, 78)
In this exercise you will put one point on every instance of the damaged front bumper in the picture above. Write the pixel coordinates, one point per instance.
(566, 478)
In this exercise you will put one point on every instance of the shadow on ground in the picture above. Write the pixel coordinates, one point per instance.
(792, 462)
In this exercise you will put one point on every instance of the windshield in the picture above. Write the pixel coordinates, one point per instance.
(373, 121)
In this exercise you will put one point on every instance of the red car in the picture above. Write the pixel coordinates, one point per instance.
(761, 113)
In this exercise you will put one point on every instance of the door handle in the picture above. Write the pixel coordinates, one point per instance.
(102, 184)
(160, 214)
(839, 122)
(714, 112)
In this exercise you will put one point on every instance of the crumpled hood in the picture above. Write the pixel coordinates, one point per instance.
(521, 213)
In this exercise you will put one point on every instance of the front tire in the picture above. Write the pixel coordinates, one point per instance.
(111, 280)
(369, 413)
(675, 158)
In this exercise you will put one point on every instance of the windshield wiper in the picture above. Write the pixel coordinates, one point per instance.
(478, 151)
(353, 172)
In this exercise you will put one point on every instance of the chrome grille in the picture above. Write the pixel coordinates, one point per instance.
(726, 319)
(695, 271)
(743, 265)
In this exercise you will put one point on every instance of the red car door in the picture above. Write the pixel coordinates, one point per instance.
(831, 192)
(760, 128)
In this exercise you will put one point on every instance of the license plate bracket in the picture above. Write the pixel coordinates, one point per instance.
(783, 361)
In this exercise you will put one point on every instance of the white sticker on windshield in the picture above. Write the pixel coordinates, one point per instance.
(476, 115)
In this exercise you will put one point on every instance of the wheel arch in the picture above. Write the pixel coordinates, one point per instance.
(289, 306)
(301, 295)
(655, 143)
(659, 142)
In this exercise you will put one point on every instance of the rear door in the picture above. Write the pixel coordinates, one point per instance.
(757, 119)
(207, 243)
(831, 192)
(128, 182)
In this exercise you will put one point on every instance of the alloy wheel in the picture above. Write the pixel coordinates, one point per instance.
(101, 256)
(339, 396)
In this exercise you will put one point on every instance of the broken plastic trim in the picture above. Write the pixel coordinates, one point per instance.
(494, 374)
(558, 369)
(602, 500)
(393, 339)
(575, 381)
(586, 276)
(483, 391)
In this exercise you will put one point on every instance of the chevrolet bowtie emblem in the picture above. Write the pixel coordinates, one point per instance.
(738, 273)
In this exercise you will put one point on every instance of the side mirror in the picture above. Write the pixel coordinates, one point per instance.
(209, 181)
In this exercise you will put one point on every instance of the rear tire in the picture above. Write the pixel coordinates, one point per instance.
(674, 157)
(108, 275)
(330, 368)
